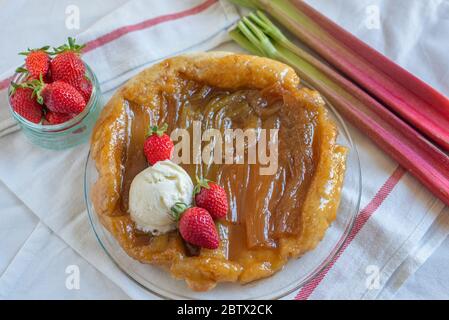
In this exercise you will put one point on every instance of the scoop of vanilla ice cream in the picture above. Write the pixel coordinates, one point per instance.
(154, 191)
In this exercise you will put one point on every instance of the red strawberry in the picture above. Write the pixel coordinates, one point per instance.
(67, 65)
(59, 96)
(57, 118)
(196, 226)
(158, 146)
(37, 63)
(212, 197)
(25, 104)
(84, 86)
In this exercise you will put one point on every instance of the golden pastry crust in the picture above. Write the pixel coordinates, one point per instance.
(111, 143)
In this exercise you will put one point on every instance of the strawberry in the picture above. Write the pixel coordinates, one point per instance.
(37, 62)
(24, 104)
(57, 118)
(196, 226)
(67, 65)
(158, 146)
(84, 86)
(58, 96)
(212, 197)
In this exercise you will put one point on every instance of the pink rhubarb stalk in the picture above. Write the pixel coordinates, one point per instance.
(412, 99)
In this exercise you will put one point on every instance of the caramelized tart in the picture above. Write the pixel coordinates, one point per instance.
(271, 218)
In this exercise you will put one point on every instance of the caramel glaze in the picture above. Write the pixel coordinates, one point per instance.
(267, 206)
(269, 219)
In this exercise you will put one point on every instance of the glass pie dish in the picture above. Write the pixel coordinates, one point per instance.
(294, 275)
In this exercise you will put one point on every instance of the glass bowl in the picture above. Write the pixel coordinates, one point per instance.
(294, 275)
(67, 134)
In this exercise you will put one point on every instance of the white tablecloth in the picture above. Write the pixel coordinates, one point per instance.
(32, 258)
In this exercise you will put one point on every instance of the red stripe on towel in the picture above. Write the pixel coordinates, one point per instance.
(120, 32)
(360, 221)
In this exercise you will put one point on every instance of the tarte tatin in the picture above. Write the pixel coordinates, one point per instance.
(271, 218)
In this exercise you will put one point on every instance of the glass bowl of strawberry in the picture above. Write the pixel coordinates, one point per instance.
(55, 96)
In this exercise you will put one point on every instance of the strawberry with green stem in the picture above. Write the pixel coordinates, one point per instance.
(67, 64)
(158, 146)
(24, 103)
(58, 96)
(212, 197)
(196, 226)
(37, 62)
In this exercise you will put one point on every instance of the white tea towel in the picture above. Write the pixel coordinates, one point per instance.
(400, 222)
(134, 36)
(47, 265)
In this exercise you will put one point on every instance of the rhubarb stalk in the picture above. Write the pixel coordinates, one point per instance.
(398, 139)
(416, 102)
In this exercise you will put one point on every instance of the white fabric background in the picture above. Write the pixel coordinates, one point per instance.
(33, 259)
